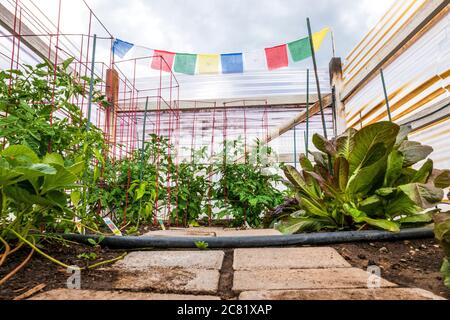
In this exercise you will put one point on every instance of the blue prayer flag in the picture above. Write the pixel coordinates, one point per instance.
(121, 48)
(232, 63)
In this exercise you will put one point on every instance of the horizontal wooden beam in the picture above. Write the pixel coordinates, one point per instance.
(34, 43)
(430, 115)
(301, 117)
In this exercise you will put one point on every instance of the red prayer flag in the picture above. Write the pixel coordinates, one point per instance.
(277, 57)
(165, 63)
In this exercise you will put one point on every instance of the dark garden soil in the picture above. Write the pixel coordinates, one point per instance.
(42, 271)
(410, 263)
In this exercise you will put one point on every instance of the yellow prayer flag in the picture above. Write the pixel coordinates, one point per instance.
(208, 63)
(318, 38)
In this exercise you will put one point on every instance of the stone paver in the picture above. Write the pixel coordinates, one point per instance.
(342, 294)
(68, 294)
(302, 279)
(171, 280)
(288, 258)
(143, 260)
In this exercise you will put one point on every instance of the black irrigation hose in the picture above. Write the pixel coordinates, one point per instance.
(133, 242)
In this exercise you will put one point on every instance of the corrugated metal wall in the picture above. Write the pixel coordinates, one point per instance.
(417, 79)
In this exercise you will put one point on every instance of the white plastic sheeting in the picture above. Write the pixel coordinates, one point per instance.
(416, 79)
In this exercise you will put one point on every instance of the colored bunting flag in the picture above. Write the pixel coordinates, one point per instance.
(208, 63)
(121, 48)
(232, 63)
(163, 60)
(277, 57)
(271, 58)
(301, 49)
(318, 38)
(185, 63)
(255, 60)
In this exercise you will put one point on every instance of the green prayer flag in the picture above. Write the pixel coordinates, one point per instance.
(300, 49)
(185, 63)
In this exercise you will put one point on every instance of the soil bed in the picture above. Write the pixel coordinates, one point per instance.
(40, 270)
(409, 263)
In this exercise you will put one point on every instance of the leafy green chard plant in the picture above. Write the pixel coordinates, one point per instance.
(369, 182)
(247, 188)
(442, 234)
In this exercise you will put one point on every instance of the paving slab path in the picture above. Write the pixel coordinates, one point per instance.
(301, 273)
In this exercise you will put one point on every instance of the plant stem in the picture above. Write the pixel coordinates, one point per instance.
(108, 261)
(40, 251)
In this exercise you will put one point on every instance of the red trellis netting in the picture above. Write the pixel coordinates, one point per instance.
(58, 30)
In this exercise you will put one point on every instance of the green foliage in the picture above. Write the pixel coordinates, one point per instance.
(202, 245)
(33, 191)
(90, 256)
(190, 196)
(442, 234)
(371, 182)
(247, 187)
(40, 113)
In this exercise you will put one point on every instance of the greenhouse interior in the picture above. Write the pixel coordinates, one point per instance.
(134, 173)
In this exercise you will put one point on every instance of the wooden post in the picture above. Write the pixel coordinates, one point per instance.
(337, 83)
(112, 95)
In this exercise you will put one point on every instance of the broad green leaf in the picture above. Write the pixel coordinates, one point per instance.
(366, 178)
(9, 176)
(445, 270)
(67, 62)
(401, 204)
(76, 168)
(293, 225)
(370, 205)
(99, 156)
(425, 196)
(359, 217)
(62, 179)
(320, 158)
(96, 174)
(385, 192)
(394, 168)
(382, 224)
(414, 152)
(324, 145)
(58, 198)
(346, 142)
(441, 178)
(422, 218)
(53, 158)
(442, 227)
(424, 172)
(36, 170)
(403, 134)
(20, 151)
(305, 163)
(341, 170)
(22, 196)
(312, 207)
(370, 144)
(140, 191)
(75, 197)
